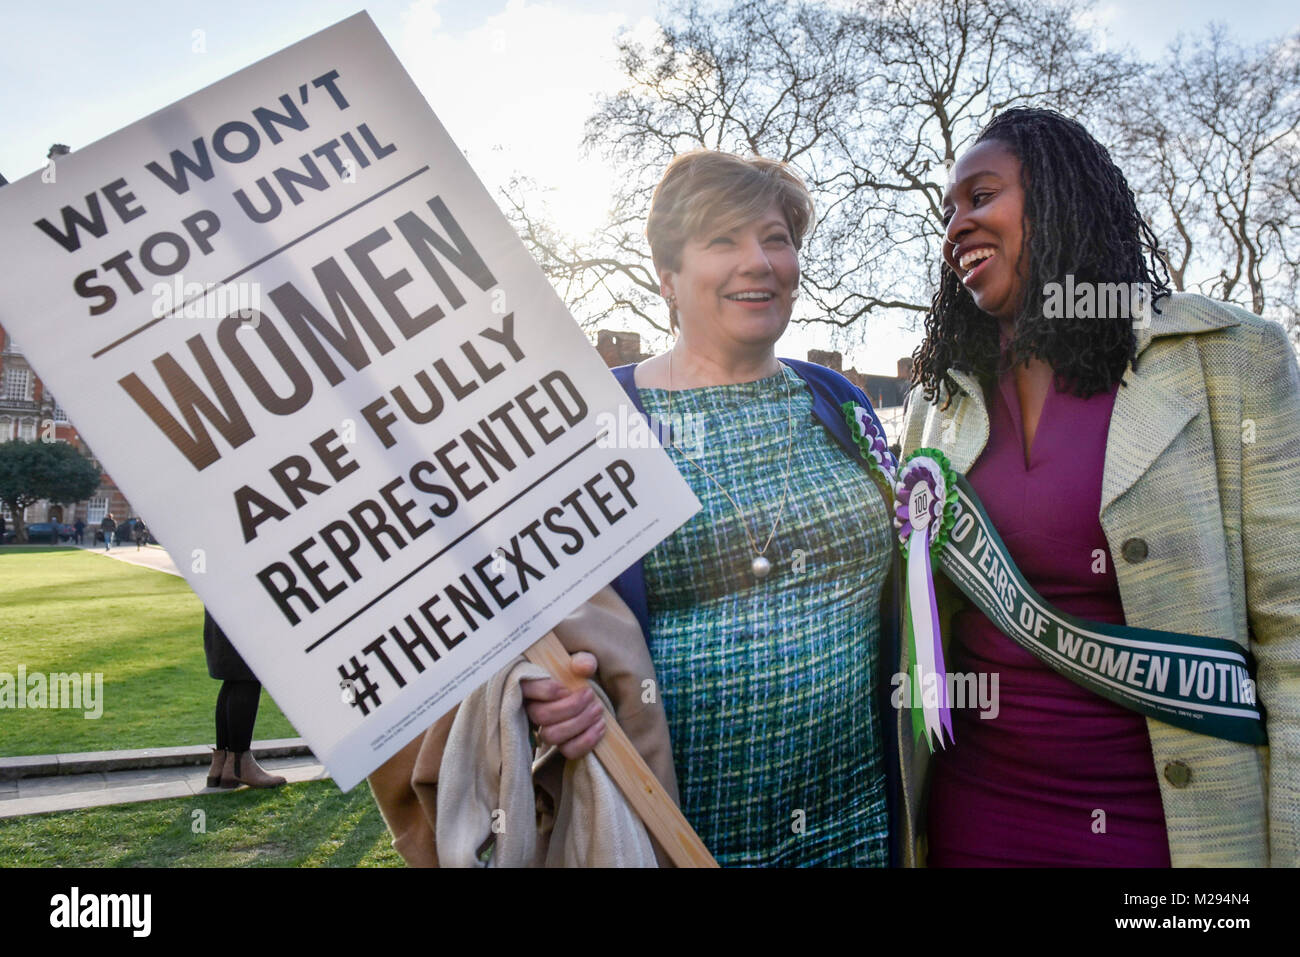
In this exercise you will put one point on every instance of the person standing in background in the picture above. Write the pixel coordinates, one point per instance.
(233, 763)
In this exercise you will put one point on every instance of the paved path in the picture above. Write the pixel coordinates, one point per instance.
(124, 777)
(150, 556)
(116, 777)
(96, 788)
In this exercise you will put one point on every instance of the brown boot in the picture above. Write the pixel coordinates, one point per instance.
(228, 779)
(215, 769)
(246, 770)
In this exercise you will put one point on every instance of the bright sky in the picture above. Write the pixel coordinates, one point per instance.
(512, 80)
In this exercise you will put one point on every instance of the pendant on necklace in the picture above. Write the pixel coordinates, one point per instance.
(761, 567)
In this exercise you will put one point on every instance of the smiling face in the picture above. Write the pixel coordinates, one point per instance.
(983, 209)
(735, 288)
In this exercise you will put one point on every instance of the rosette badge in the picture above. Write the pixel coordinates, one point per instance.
(870, 439)
(924, 512)
(925, 498)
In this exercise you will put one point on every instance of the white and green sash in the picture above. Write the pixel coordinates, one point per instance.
(1194, 682)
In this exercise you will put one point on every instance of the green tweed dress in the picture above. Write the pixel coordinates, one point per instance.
(768, 685)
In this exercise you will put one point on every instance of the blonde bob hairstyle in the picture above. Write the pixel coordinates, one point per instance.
(708, 191)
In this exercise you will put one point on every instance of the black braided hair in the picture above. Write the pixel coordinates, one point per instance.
(1080, 218)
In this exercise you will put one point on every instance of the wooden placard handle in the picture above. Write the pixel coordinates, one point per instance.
(633, 776)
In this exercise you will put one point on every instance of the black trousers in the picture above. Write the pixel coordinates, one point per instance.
(236, 714)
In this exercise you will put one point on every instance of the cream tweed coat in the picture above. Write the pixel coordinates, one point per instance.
(1203, 468)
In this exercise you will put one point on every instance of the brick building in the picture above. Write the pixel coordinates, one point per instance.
(885, 392)
(29, 412)
(619, 348)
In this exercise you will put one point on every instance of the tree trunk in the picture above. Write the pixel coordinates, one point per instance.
(20, 530)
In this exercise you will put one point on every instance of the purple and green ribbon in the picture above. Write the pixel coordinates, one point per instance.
(924, 512)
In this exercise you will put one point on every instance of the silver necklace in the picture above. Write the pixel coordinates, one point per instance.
(760, 565)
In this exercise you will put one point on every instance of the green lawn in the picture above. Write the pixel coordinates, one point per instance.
(66, 610)
(298, 825)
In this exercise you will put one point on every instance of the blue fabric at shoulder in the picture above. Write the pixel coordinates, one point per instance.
(630, 585)
(830, 382)
(626, 376)
(830, 391)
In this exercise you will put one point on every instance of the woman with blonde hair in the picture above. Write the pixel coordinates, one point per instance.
(769, 615)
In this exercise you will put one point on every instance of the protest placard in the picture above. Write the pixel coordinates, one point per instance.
(299, 334)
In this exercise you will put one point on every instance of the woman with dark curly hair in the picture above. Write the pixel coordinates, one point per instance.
(1138, 452)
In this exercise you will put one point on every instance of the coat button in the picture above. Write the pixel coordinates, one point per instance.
(1134, 551)
(1178, 774)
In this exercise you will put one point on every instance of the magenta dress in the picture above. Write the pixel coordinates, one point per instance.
(1061, 777)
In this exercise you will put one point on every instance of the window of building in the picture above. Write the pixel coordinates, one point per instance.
(18, 384)
(6, 428)
(96, 509)
(27, 430)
